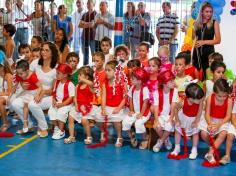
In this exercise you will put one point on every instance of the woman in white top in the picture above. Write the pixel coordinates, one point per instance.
(46, 72)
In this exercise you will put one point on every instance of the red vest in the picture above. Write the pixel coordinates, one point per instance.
(161, 98)
(113, 100)
(65, 91)
(190, 110)
(217, 111)
(141, 101)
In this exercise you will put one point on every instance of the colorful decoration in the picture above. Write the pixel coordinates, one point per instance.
(188, 41)
(233, 11)
(6, 134)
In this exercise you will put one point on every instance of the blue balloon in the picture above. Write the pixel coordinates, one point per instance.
(218, 3)
(218, 11)
(217, 18)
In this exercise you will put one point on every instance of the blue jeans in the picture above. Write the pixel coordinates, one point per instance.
(86, 44)
(21, 37)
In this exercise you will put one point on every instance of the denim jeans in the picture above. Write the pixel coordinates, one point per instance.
(86, 44)
(21, 37)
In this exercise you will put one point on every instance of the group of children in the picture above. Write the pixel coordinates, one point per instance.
(128, 93)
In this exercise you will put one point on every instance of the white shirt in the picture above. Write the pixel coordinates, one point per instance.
(209, 87)
(47, 78)
(75, 21)
(166, 102)
(234, 108)
(18, 14)
(136, 98)
(60, 91)
(101, 30)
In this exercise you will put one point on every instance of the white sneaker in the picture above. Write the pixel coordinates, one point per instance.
(25, 130)
(157, 147)
(168, 144)
(58, 135)
(176, 151)
(193, 155)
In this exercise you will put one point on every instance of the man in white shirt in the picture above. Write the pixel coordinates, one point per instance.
(104, 24)
(21, 20)
(76, 44)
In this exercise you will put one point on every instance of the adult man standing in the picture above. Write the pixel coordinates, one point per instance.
(104, 24)
(76, 17)
(167, 30)
(21, 18)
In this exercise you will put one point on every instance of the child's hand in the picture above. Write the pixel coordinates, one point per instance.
(171, 121)
(116, 110)
(194, 124)
(177, 123)
(209, 128)
(139, 116)
(215, 127)
(156, 124)
(130, 113)
(37, 98)
(104, 112)
(59, 105)
(54, 102)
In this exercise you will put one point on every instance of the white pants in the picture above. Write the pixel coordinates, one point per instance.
(36, 109)
(138, 123)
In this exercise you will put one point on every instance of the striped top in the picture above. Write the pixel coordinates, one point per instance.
(167, 24)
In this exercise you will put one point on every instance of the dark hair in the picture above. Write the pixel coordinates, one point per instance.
(186, 55)
(113, 64)
(167, 4)
(106, 39)
(10, 28)
(194, 91)
(100, 55)
(216, 56)
(55, 54)
(221, 85)
(60, 7)
(133, 9)
(64, 40)
(88, 71)
(38, 38)
(22, 64)
(23, 46)
(146, 44)
(36, 49)
(72, 54)
(134, 63)
(3, 49)
(156, 60)
(217, 64)
(121, 48)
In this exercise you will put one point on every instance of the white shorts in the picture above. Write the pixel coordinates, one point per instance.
(186, 123)
(203, 125)
(165, 124)
(77, 116)
(231, 130)
(59, 114)
(111, 117)
(138, 123)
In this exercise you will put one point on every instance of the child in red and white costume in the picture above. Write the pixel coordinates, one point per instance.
(113, 99)
(217, 117)
(139, 107)
(81, 111)
(188, 118)
(63, 93)
(168, 97)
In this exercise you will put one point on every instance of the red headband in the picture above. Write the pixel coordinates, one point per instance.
(140, 74)
(64, 68)
(165, 76)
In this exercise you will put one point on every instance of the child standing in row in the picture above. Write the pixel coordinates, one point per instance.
(113, 100)
(72, 60)
(188, 117)
(143, 51)
(64, 91)
(81, 111)
(164, 121)
(105, 47)
(139, 108)
(217, 116)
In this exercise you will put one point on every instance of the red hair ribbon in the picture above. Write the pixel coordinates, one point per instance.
(216, 153)
(103, 143)
(185, 154)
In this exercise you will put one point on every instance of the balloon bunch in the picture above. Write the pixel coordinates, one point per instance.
(217, 6)
(188, 41)
(233, 11)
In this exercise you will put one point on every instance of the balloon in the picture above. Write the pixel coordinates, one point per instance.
(233, 12)
(218, 3)
(186, 47)
(217, 18)
(187, 40)
(218, 10)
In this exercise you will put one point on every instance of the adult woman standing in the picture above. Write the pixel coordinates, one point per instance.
(128, 24)
(207, 34)
(61, 20)
(45, 69)
(62, 44)
(39, 19)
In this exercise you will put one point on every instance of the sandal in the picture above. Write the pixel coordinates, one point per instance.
(88, 140)
(225, 160)
(210, 158)
(134, 142)
(143, 145)
(69, 140)
(42, 133)
(119, 142)
(4, 127)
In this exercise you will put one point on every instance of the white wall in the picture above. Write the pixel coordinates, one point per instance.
(228, 37)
